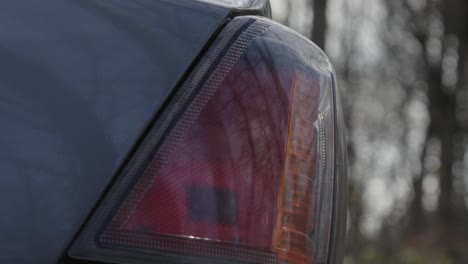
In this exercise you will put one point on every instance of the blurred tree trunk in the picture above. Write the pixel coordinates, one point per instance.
(456, 27)
(319, 26)
(455, 21)
(287, 22)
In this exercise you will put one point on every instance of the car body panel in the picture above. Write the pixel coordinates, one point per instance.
(79, 83)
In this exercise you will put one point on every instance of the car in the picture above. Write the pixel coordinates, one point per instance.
(157, 131)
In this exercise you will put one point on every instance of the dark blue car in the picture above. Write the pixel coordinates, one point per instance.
(166, 131)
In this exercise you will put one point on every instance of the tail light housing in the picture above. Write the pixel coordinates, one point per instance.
(246, 164)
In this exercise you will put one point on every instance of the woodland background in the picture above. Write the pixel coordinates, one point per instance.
(402, 67)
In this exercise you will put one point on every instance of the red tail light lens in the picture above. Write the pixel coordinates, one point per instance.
(238, 168)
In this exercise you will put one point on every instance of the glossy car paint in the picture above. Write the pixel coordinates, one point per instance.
(79, 83)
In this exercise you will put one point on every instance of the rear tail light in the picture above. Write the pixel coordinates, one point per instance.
(239, 167)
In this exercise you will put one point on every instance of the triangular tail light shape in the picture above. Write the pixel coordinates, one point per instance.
(238, 168)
